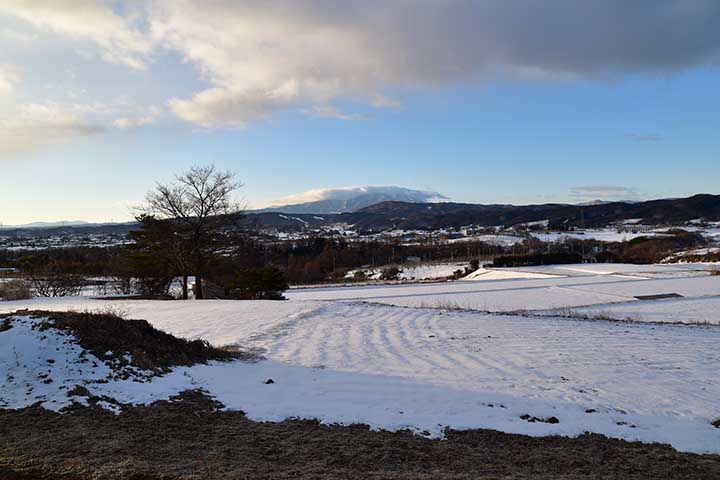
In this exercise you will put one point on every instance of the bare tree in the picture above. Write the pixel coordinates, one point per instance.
(199, 206)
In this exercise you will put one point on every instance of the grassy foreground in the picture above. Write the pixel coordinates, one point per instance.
(188, 438)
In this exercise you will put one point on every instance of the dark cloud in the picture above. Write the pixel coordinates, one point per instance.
(315, 51)
(260, 57)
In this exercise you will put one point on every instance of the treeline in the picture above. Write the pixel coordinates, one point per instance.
(652, 249)
(319, 259)
(310, 260)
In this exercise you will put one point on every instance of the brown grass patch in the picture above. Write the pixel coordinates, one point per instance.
(188, 438)
(149, 348)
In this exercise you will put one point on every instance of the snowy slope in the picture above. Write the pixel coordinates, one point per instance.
(426, 370)
(357, 354)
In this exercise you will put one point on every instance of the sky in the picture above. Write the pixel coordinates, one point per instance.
(492, 101)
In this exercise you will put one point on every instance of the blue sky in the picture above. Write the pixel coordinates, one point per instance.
(92, 119)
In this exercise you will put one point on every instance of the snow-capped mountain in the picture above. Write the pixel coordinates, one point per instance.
(347, 199)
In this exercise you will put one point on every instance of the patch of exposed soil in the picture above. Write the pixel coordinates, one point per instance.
(189, 438)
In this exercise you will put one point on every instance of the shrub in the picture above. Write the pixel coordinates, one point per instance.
(390, 273)
(15, 290)
(266, 283)
(122, 285)
(147, 286)
(360, 275)
(57, 285)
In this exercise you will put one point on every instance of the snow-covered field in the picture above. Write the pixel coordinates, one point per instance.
(358, 354)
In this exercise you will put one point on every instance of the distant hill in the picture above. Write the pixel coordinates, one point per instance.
(347, 199)
(441, 215)
(68, 223)
(411, 216)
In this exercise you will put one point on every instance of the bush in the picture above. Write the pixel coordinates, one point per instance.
(146, 286)
(360, 275)
(654, 249)
(266, 283)
(390, 273)
(57, 285)
(15, 290)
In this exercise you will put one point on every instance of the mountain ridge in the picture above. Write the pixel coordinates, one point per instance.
(325, 201)
(424, 216)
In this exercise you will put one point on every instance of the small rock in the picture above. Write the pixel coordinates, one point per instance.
(590, 410)
(269, 381)
(716, 423)
(552, 420)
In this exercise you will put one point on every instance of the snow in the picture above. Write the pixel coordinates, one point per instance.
(350, 193)
(603, 235)
(43, 366)
(503, 274)
(358, 354)
(683, 310)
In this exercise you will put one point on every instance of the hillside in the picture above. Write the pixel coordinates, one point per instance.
(443, 215)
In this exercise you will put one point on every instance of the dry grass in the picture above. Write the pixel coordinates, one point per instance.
(15, 289)
(188, 438)
(149, 348)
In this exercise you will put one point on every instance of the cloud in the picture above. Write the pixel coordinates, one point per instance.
(381, 101)
(645, 137)
(9, 77)
(604, 192)
(149, 117)
(259, 57)
(328, 111)
(36, 126)
(217, 107)
(353, 50)
(88, 20)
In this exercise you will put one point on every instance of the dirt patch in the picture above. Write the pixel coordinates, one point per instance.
(188, 437)
(122, 342)
(533, 419)
(5, 324)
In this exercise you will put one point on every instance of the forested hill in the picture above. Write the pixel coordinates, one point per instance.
(442, 215)
(409, 216)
